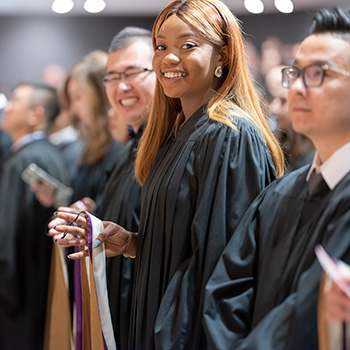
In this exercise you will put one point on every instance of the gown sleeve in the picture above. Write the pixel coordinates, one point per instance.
(293, 323)
(229, 294)
(231, 168)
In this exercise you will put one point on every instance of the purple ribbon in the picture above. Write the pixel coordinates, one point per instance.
(78, 290)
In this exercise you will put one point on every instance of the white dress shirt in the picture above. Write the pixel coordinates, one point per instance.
(335, 168)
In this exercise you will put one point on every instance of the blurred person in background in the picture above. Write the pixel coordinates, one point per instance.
(87, 101)
(298, 149)
(5, 138)
(271, 53)
(84, 96)
(66, 138)
(129, 83)
(25, 251)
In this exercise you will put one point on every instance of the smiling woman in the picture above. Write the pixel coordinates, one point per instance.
(187, 41)
(198, 179)
(185, 63)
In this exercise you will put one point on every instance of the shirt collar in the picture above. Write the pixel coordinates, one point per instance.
(24, 140)
(335, 168)
(135, 137)
(64, 136)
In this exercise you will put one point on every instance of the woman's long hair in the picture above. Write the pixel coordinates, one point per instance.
(89, 72)
(235, 97)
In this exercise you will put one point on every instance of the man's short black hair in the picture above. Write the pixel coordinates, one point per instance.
(45, 96)
(331, 21)
(128, 36)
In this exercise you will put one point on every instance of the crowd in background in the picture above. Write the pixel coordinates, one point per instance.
(272, 53)
(171, 170)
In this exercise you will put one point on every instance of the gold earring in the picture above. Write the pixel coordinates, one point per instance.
(218, 71)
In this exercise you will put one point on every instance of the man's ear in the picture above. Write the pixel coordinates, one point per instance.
(36, 116)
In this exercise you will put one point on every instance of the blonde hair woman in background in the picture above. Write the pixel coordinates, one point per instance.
(86, 98)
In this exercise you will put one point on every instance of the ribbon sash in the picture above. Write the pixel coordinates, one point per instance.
(96, 322)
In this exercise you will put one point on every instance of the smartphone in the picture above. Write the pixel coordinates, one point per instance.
(63, 193)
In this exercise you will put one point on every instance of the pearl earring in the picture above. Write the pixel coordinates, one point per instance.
(218, 71)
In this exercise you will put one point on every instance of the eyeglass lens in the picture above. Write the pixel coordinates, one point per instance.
(128, 74)
(312, 76)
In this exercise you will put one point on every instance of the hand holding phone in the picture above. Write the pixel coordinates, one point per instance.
(48, 190)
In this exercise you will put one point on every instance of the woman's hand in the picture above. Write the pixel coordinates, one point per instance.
(117, 240)
(55, 221)
(336, 302)
(70, 229)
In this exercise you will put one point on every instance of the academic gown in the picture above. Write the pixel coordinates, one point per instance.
(120, 203)
(90, 179)
(25, 250)
(263, 293)
(71, 153)
(5, 146)
(199, 187)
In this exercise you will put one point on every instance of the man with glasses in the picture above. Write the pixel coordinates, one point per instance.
(298, 149)
(263, 293)
(130, 83)
(130, 79)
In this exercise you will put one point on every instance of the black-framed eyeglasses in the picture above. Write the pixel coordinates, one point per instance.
(313, 75)
(129, 74)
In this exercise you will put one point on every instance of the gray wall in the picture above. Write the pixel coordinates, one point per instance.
(29, 44)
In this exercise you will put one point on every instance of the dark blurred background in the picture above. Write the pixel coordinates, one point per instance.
(37, 44)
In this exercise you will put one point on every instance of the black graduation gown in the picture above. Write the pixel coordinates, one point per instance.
(25, 250)
(90, 179)
(201, 183)
(5, 146)
(71, 152)
(265, 286)
(120, 203)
